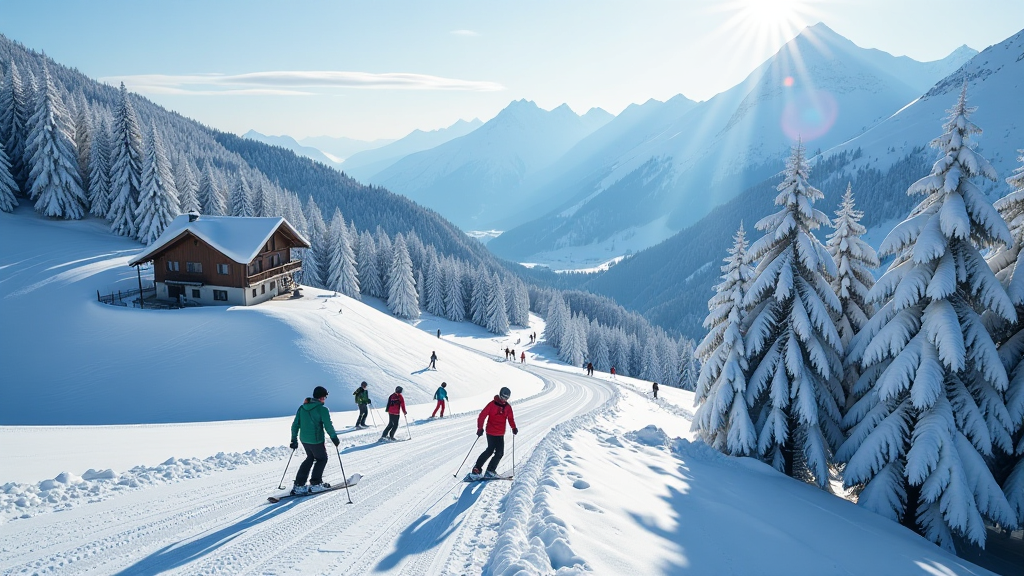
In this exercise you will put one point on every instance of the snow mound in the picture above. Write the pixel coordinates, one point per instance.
(66, 490)
(649, 435)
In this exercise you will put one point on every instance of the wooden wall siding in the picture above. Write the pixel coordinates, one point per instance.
(189, 248)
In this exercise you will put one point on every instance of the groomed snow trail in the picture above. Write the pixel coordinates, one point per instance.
(409, 514)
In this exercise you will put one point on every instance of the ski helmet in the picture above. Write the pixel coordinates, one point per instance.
(363, 384)
(319, 392)
(504, 393)
(444, 384)
(398, 389)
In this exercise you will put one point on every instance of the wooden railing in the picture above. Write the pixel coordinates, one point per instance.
(118, 298)
(267, 274)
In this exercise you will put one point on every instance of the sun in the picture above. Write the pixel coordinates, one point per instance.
(768, 22)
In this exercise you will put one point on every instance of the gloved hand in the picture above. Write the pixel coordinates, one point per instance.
(336, 440)
(480, 432)
(294, 444)
(515, 431)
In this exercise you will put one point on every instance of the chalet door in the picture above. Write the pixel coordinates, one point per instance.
(175, 292)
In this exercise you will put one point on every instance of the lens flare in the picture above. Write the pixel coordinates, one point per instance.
(809, 115)
(788, 81)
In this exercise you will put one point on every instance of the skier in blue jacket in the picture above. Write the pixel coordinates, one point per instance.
(441, 396)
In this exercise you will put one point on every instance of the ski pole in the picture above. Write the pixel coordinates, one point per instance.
(343, 477)
(372, 417)
(280, 485)
(513, 455)
(456, 475)
(407, 425)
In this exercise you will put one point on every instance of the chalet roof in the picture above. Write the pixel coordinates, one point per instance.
(240, 239)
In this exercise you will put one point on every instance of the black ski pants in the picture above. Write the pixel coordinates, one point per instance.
(316, 458)
(495, 447)
(392, 426)
(361, 420)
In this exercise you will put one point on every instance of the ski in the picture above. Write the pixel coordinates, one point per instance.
(389, 440)
(481, 478)
(352, 481)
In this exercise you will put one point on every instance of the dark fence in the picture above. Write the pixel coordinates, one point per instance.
(124, 297)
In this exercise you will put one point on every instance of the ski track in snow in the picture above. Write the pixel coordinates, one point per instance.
(409, 514)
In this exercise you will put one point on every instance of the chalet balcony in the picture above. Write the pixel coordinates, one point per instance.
(285, 268)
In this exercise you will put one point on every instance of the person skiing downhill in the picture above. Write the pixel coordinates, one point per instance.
(613, 371)
(496, 413)
(396, 404)
(655, 389)
(433, 360)
(522, 357)
(312, 419)
(362, 401)
(441, 396)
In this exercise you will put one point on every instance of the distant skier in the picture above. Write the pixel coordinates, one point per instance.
(396, 404)
(506, 354)
(438, 332)
(441, 396)
(590, 368)
(522, 358)
(655, 388)
(496, 413)
(613, 371)
(362, 397)
(311, 420)
(433, 360)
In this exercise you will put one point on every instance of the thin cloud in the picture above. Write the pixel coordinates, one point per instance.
(465, 33)
(287, 82)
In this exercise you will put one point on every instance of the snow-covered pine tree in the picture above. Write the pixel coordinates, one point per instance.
(497, 311)
(241, 199)
(1008, 465)
(343, 277)
(366, 265)
(930, 418)
(403, 301)
(478, 297)
(651, 367)
(433, 291)
(688, 370)
(83, 138)
(574, 340)
(854, 260)
(557, 321)
(8, 188)
(385, 257)
(519, 309)
(186, 185)
(598, 352)
(99, 170)
(53, 181)
(210, 200)
(125, 169)
(318, 257)
(158, 200)
(723, 415)
(15, 111)
(454, 303)
(618, 349)
(792, 345)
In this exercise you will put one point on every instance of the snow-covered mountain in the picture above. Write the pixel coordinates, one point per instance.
(289, 143)
(363, 165)
(475, 180)
(340, 148)
(634, 190)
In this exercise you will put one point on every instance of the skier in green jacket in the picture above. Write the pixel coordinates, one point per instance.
(362, 401)
(311, 420)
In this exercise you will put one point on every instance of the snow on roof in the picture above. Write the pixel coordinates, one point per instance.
(240, 239)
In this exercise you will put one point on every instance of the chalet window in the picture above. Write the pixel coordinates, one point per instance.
(253, 292)
(275, 260)
(272, 284)
(195, 293)
(256, 267)
(223, 269)
(172, 265)
(263, 288)
(221, 295)
(194, 267)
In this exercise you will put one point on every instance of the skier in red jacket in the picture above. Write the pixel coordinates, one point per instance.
(496, 413)
(396, 404)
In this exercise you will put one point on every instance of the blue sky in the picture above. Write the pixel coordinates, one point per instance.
(380, 69)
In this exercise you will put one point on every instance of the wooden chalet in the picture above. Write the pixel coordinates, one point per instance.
(223, 260)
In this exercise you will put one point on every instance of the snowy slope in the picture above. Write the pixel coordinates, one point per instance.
(475, 179)
(363, 165)
(101, 364)
(819, 87)
(289, 143)
(995, 82)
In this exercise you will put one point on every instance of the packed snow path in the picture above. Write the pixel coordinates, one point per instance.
(409, 514)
